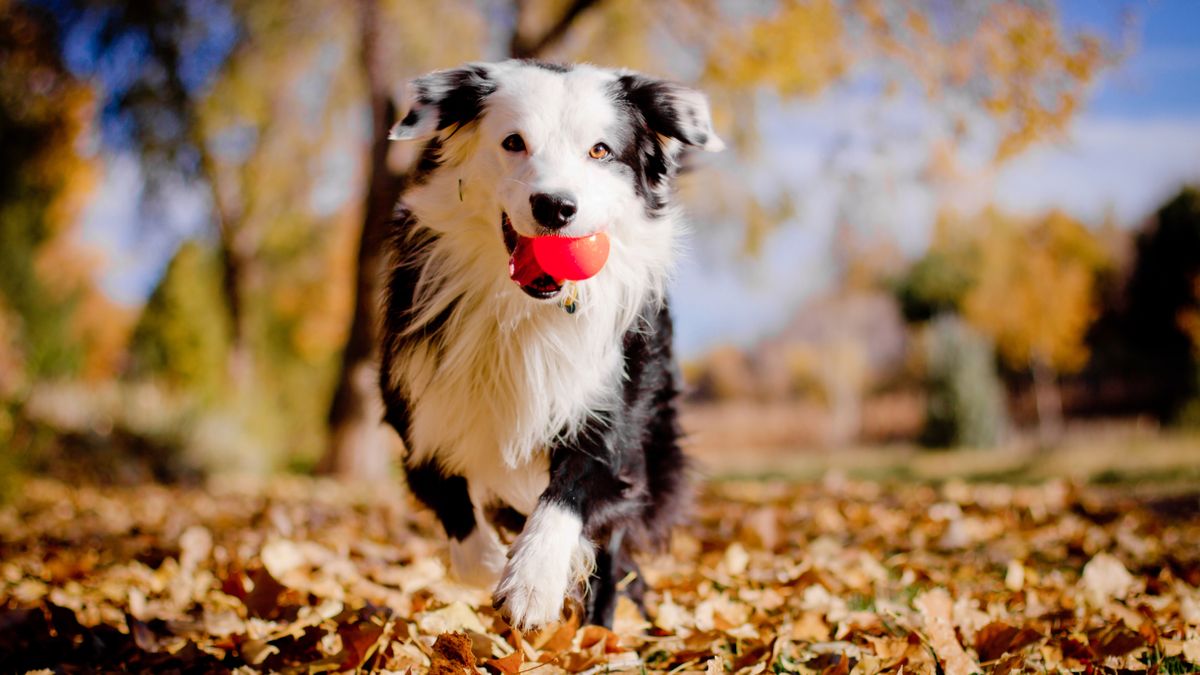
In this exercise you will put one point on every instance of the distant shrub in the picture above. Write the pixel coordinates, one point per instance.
(183, 334)
(965, 396)
(934, 284)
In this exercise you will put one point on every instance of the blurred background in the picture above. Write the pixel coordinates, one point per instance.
(950, 237)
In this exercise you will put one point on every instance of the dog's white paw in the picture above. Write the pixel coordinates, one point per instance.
(546, 561)
(478, 559)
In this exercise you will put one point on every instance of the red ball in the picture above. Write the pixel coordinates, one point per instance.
(575, 258)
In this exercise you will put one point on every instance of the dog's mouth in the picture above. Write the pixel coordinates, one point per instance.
(523, 266)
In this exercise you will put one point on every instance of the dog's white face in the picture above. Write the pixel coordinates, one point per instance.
(548, 137)
(550, 150)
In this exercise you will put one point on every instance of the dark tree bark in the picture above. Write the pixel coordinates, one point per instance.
(358, 441)
(358, 444)
(526, 47)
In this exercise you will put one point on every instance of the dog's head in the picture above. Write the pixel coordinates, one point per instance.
(540, 149)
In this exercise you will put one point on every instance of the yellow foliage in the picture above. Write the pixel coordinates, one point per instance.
(1005, 67)
(1038, 79)
(616, 33)
(1015, 63)
(1034, 293)
(63, 265)
(799, 50)
(66, 267)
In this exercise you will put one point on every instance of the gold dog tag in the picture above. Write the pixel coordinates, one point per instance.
(570, 297)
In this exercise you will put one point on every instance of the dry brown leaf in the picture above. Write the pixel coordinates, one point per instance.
(811, 628)
(591, 636)
(560, 638)
(455, 617)
(1114, 640)
(509, 665)
(452, 655)
(997, 639)
(936, 607)
(1010, 664)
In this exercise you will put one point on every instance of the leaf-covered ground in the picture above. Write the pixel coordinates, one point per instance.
(834, 577)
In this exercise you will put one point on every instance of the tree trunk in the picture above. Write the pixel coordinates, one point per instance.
(358, 441)
(1049, 403)
(525, 47)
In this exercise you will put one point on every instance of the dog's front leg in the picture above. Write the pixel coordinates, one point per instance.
(478, 558)
(476, 554)
(544, 563)
(555, 553)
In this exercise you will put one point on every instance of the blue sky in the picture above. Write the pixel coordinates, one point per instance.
(1135, 142)
(1162, 78)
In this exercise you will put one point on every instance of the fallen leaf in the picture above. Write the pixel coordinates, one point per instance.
(455, 617)
(1114, 640)
(997, 639)
(1014, 577)
(935, 607)
(1105, 578)
(509, 665)
(280, 556)
(452, 655)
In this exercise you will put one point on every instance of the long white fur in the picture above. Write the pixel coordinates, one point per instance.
(549, 557)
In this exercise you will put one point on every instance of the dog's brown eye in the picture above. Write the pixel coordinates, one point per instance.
(599, 151)
(513, 143)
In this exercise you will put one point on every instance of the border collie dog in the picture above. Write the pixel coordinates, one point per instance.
(540, 429)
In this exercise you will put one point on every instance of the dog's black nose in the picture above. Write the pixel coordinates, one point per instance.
(553, 210)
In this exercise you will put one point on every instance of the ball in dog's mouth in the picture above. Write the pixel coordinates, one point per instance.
(541, 265)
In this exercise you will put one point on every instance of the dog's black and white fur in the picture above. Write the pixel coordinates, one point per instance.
(517, 415)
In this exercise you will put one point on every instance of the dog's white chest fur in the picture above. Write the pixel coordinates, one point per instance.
(504, 379)
(505, 376)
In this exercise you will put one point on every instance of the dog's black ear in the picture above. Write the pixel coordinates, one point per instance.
(672, 110)
(443, 99)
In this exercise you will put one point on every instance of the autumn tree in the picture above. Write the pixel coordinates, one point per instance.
(1028, 285)
(151, 63)
(55, 321)
(999, 75)
(44, 182)
(1034, 294)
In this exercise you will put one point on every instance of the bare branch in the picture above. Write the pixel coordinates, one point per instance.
(522, 48)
